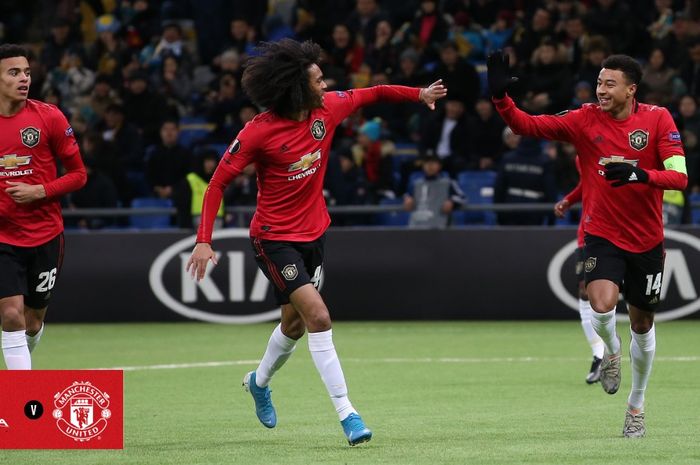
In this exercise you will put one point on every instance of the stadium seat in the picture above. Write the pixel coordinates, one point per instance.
(193, 129)
(478, 189)
(694, 212)
(392, 218)
(150, 221)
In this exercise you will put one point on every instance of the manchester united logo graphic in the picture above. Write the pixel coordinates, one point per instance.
(82, 411)
(290, 272)
(30, 136)
(639, 139)
(590, 264)
(318, 129)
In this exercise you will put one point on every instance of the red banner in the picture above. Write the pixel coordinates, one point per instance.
(61, 409)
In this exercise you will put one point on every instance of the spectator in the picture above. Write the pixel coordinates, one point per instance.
(174, 83)
(125, 137)
(167, 162)
(346, 52)
(526, 39)
(371, 153)
(448, 135)
(598, 50)
(363, 21)
(381, 55)
(549, 84)
(109, 53)
(428, 30)
(432, 198)
(659, 83)
(171, 43)
(688, 123)
(525, 176)
(143, 107)
(583, 93)
(98, 192)
(56, 44)
(189, 194)
(459, 76)
(486, 129)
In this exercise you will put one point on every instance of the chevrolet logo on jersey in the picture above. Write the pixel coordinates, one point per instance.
(11, 162)
(306, 161)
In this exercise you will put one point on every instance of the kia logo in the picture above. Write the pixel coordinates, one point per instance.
(676, 272)
(224, 287)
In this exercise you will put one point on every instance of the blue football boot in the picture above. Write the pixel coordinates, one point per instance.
(355, 429)
(263, 403)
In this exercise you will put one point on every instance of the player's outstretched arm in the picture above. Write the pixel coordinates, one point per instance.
(434, 92)
(197, 264)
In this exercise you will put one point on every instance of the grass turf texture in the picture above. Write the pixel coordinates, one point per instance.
(433, 393)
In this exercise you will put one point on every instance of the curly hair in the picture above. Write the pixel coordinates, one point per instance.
(278, 77)
(12, 51)
(631, 69)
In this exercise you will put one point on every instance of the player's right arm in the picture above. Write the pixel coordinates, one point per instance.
(564, 126)
(238, 155)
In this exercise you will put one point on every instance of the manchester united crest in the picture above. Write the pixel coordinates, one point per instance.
(639, 139)
(290, 272)
(81, 411)
(318, 129)
(30, 136)
(589, 264)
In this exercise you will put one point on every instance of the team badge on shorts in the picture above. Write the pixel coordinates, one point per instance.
(590, 264)
(318, 129)
(290, 272)
(639, 139)
(30, 136)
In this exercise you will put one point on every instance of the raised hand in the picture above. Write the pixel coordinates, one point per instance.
(435, 91)
(498, 72)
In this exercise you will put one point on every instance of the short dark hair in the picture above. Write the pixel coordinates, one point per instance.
(12, 51)
(278, 77)
(628, 65)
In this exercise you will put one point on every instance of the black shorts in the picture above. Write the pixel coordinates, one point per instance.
(31, 271)
(641, 273)
(290, 265)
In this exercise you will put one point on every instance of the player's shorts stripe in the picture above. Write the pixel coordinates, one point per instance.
(271, 268)
(61, 250)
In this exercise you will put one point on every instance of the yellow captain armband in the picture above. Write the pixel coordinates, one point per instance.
(676, 163)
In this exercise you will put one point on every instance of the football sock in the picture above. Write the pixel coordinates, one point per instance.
(326, 360)
(15, 350)
(642, 349)
(604, 325)
(279, 349)
(32, 341)
(596, 343)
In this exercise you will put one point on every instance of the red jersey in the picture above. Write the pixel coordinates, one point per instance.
(628, 216)
(30, 142)
(290, 159)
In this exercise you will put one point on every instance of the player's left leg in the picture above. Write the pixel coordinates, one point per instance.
(642, 350)
(643, 292)
(34, 319)
(310, 305)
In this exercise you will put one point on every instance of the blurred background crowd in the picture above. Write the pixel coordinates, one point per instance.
(152, 91)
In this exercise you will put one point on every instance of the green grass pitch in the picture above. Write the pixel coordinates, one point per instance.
(433, 393)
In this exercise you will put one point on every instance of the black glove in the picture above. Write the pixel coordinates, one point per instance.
(499, 73)
(625, 173)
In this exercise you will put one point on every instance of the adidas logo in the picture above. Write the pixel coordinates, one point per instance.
(633, 177)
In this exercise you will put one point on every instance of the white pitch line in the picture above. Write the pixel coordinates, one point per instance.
(224, 363)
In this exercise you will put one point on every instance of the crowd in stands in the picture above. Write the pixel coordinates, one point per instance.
(152, 88)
